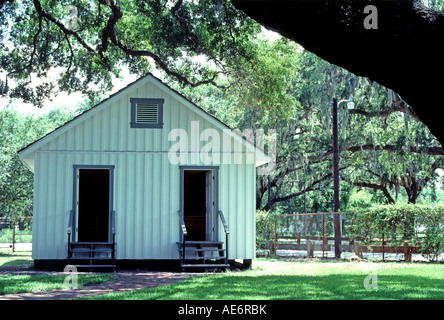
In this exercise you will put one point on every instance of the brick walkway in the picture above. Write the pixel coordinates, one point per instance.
(127, 280)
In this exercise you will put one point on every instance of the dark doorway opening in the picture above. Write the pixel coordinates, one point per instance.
(195, 204)
(93, 205)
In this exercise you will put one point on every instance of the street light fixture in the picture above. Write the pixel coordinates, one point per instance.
(350, 103)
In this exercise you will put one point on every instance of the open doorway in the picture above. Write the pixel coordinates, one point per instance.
(199, 204)
(93, 204)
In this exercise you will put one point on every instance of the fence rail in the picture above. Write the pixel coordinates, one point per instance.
(310, 243)
(359, 249)
(310, 247)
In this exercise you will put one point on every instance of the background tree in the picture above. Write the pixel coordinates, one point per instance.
(17, 130)
(233, 72)
(384, 147)
(402, 53)
(89, 42)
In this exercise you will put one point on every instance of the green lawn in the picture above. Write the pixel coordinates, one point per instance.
(33, 283)
(305, 280)
(268, 279)
(12, 260)
(20, 283)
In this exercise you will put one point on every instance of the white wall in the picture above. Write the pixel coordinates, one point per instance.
(146, 184)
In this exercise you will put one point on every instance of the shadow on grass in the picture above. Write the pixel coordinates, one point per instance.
(292, 287)
(17, 263)
(29, 283)
(15, 260)
(21, 283)
(9, 253)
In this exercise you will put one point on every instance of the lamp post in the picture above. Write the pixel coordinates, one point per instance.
(337, 218)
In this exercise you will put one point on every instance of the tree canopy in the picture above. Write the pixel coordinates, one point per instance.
(383, 145)
(403, 52)
(17, 130)
(217, 57)
(78, 46)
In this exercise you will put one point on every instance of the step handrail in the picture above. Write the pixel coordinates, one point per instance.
(183, 233)
(113, 222)
(113, 233)
(70, 223)
(224, 222)
(183, 227)
(227, 232)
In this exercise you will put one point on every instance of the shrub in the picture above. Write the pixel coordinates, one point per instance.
(264, 229)
(423, 224)
(431, 223)
(390, 222)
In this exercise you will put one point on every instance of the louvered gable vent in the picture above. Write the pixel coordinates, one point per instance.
(146, 113)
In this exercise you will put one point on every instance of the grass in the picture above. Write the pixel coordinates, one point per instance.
(304, 280)
(12, 260)
(21, 283)
(269, 279)
(34, 283)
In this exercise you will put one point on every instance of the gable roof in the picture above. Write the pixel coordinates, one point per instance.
(27, 152)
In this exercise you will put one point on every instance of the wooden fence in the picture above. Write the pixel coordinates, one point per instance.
(355, 247)
(16, 222)
(406, 249)
(295, 243)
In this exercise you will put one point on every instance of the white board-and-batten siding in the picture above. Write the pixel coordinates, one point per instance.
(146, 184)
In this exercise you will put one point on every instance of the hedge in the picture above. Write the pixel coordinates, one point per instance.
(264, 229)
(419, 224)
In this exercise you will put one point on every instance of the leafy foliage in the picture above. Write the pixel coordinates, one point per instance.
(432, 220)
(423, 224)
(16, 131)
(89, 43)
(264, 229)
(359, 200)
(384, 147)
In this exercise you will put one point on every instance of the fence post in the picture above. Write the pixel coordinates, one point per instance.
(14, 234)
(275, 236)
(309, 249)
(323, 236)
(407, 253)
(13, 237)
(382, 246)
(358, 249)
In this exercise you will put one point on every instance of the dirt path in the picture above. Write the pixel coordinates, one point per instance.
(127, 280)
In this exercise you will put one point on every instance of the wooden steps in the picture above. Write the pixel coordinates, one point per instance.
(92, 255)
(202, 255)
